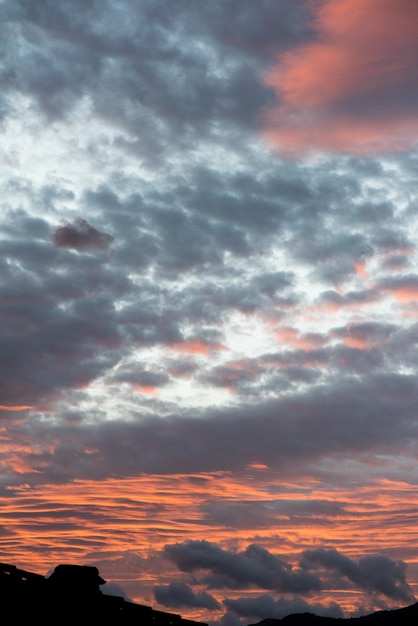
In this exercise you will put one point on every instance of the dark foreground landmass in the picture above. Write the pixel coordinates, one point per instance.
(407, 616)
(72, 595)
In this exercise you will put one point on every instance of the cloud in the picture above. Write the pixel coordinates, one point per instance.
(254, 328)
(254, 566)
(294, 434)
(113, 589)
(353, 88)
(266, 607)
(51, 337)
(179, 595)
(6, 407)
(375, 573)
(404, 288)
(80, 236)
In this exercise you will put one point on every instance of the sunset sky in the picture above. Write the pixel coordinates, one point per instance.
(209, 300)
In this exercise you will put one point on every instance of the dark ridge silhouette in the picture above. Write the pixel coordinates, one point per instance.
(407, 616)
(72, 595)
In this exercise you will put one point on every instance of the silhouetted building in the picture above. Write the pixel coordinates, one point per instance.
(72, 594)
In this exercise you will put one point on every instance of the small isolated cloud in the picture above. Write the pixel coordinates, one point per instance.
(354, 87)
(374, 573)
(80, 236)
(178, 595)
(113, 589)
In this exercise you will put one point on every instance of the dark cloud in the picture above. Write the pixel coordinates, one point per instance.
(80, 236)
(179, 595)
(378, 574)
(266, 607)
(253, 567)
(352, 419)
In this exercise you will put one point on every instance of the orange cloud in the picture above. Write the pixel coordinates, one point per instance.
(47, 525)
(361, 269)
(196, 347)
(149, 389)
(406, 295)
(405, 291)
(17, 407)
(357, 342)
(354, 88)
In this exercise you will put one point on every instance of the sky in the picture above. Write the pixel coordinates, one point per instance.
(209, 301)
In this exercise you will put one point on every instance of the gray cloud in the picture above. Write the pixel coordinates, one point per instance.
(52, 338)
(63, 55)
(252, 514)
(352, 419)
(254, 566)
(179, 595)
(374, 573)
(266, 607)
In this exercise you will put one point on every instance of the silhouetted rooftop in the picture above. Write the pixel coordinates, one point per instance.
(71, 593)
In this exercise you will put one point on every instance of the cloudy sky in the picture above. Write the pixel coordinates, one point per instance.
(209, 300)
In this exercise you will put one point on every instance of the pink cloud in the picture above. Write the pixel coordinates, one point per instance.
(292, 337)
(196, 347)
(355, 87)
(147, 389)
(361, 269)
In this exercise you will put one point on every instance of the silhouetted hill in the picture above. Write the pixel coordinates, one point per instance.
(72, 595)
(407, 616)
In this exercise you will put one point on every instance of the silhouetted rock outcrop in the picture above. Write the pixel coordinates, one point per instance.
(72, 593)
